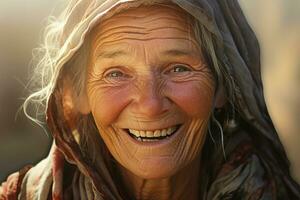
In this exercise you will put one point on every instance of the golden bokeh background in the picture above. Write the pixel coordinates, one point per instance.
(276, 23)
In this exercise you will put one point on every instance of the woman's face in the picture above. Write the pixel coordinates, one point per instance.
(149, 89)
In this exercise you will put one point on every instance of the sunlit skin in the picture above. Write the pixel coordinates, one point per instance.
(146, 72)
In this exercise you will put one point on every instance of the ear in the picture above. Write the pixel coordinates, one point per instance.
(220, 99)
(77, 103)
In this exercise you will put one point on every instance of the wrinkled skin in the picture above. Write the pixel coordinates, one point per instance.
(146, 72)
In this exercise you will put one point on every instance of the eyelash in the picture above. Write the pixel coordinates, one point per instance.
(174, 68)
(114, 74)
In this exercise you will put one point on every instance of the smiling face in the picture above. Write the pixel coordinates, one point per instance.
(149, 89)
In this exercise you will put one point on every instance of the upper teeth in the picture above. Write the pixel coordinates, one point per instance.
(155, 133)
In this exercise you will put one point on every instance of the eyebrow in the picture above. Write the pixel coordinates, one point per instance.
(111, 54)
(175, 52)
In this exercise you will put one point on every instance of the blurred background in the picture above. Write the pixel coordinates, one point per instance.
(276, 23)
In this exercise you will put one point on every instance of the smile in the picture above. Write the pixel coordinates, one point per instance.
(154, 135)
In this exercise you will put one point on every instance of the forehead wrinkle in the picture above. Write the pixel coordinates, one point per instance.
(154, 20)
(118, 30)
(104, 31)
(144, 21)
(182, 49)
(143, 17)
(139, 35)
(144, 29)
(111, 54)
(111, 50)
(103, 35)
(177, 52)
(117, 41)
(169, 27)
(120, 34)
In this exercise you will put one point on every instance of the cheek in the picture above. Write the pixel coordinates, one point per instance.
(195, 98)
(107, 104)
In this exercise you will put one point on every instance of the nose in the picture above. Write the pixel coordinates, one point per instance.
(150, 100)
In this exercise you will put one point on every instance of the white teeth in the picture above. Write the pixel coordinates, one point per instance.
(134, 132)
(143, 133)
(149, 140)
(157, 133)
(164, 132)
(149, 134)
(170, 130)
(153, 134)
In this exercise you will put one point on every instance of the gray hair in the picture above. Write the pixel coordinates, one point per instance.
(49, 66)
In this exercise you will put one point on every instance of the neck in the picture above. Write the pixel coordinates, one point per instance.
(183, 185)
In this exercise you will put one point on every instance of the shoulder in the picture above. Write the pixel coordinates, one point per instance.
(29, 182)
(242, 175)
(10, 189)
(249, 172)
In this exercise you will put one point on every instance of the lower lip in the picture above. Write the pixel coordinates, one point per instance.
(154, 142)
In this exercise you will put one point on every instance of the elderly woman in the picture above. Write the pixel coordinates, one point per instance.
(154, 100)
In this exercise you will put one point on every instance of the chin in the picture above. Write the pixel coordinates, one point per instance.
(156, 169)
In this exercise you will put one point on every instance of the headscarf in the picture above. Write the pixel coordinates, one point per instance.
(254, 150)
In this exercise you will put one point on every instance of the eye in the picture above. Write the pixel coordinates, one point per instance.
(178, 71)
(180, 68)
(114, 74)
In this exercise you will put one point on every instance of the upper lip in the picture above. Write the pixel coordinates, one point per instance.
(149, 128)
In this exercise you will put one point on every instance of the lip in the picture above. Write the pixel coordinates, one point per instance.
(156, 143)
